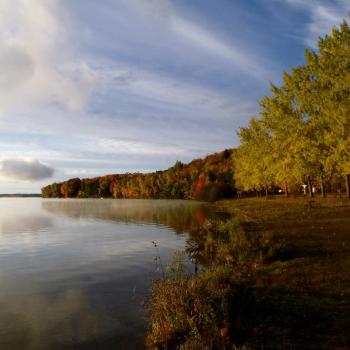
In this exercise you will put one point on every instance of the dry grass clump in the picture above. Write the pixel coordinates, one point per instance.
(191, 312)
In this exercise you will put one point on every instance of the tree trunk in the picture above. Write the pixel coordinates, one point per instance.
(323, 192)
(309, 187)
(286, 190)
(347, 185)
(266, 192)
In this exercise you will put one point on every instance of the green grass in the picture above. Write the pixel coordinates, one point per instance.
(276, 276)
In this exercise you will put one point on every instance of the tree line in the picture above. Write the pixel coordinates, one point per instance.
(302, 133)
(202, 179)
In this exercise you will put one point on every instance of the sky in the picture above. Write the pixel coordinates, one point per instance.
(90, 87)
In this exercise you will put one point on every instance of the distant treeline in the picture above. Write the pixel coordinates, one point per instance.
(20, 195)
(302, 133)
(207, 179)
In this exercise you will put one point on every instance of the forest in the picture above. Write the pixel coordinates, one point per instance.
(302, 133)
(202, 179)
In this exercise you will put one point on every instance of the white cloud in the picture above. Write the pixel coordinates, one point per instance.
(159, 9)
(133, 147)
(24, 170)
(323, 17)
(193, 35)
(174, 92)
(36, 59)
(212, 43)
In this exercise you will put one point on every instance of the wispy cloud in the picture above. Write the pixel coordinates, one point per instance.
(156, 9)
(174, 92)
(134, 147)
(182, 29)
(323, 16)
(214, 45)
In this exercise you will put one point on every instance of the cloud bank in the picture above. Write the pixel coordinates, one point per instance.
(25, 170)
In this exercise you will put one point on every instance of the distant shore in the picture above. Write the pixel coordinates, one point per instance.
(20, 195)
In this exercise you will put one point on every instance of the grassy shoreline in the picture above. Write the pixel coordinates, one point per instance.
(276, 276)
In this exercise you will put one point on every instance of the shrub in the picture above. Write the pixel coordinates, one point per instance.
(213, 192)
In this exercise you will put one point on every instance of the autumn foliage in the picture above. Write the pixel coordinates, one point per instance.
(203, 179)
(302, 133)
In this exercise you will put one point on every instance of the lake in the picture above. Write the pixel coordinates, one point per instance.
(75, 274)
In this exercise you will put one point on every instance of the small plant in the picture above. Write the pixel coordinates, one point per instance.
(175, 270)
(158, 259)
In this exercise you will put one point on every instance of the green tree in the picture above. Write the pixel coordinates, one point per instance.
(254, 163)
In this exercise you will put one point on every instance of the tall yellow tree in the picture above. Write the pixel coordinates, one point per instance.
(253, 166)
(303, 132)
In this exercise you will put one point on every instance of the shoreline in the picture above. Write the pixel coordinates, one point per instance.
(276, 275)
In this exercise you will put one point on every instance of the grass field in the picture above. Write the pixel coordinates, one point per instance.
(276, 276)
(305, 289)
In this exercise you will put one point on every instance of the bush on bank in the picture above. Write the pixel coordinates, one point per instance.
(202, 311)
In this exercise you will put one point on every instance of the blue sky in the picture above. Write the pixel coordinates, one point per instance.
(95, 87)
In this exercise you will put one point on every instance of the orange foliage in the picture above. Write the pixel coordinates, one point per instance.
(182, 181)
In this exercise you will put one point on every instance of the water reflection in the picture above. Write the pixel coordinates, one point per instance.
(27, 224)
(19, 216)
(74, 273)
(178, 214)
(40, 321)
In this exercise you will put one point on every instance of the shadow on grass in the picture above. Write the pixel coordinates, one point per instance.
(280, 318)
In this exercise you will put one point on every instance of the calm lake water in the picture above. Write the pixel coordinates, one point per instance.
(75, 274)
